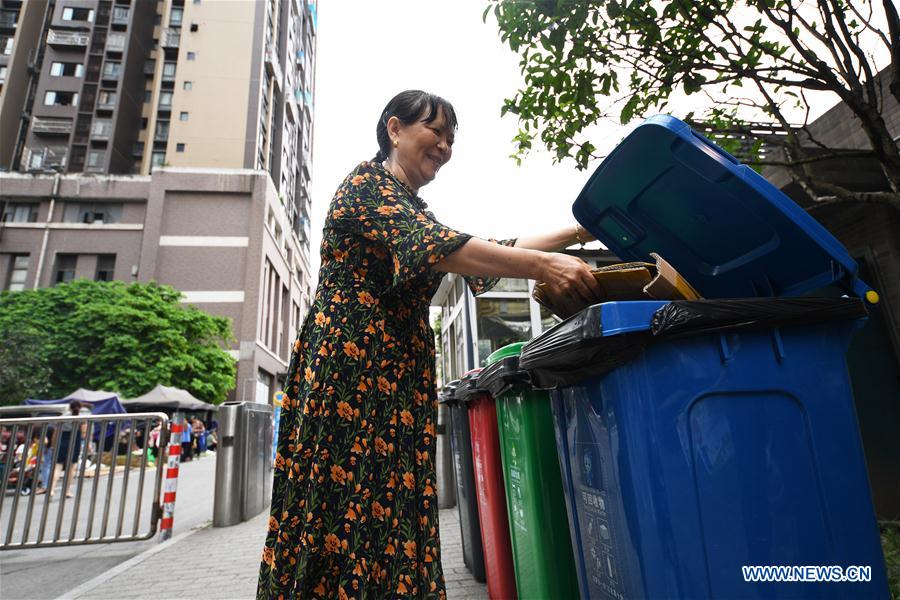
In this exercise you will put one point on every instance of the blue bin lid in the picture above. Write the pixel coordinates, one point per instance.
(728, 231)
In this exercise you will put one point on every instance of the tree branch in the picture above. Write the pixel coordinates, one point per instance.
(893, 19)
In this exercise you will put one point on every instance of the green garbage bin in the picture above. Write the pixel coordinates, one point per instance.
(539, 529)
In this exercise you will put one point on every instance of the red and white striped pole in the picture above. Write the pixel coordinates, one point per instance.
(170, 482)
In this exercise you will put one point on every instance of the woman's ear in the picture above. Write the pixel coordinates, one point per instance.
(393, 127)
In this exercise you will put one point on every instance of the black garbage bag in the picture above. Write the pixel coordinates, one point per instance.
(693, 317)
(576, 348)
(498, 377)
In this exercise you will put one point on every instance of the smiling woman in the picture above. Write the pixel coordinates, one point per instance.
(354, 506)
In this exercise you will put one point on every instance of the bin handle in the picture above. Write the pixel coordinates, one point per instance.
(714, 147)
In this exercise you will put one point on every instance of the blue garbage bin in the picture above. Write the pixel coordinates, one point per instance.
(700, 437)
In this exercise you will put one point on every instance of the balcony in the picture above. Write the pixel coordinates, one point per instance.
(95, 161)
(101, 129)
(273, 65)
(120, 16)
(45, 126)
(292, 110)
(171, 38)
(45, 159)
(68, 38)
(115, 43)
(8, 19)
(108, 103)
(162, 132)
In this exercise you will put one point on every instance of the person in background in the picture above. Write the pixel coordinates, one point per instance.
(153, 440)
(199, 432)
(46, 460)
(186, 451)
(70, 433)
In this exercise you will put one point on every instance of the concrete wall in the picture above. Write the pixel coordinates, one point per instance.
(217, 105)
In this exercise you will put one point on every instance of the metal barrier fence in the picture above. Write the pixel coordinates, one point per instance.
(79, 448)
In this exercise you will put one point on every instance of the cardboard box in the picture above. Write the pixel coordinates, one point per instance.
(626, 281)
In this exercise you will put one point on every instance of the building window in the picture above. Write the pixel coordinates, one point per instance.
(19, 212)
(143, 123)
(501, 321)
(157, 159)
(106, 265)
(112, 69)
(3, 71)
(60, 98)
(192, 56)
(169, 69)
(106, 98)
(65, 268)
(66, 69)
(77, 14)
(18, 272)
(263, 387)
(162, 131)
(183, 116)
(94, 162)
(165, 99)
(148, 95)
(92, 212)
(179, 147)
(176, 16)
(188, 85)
(6, 44)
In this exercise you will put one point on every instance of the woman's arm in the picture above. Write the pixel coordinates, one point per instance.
(556, 240)
(570, 275)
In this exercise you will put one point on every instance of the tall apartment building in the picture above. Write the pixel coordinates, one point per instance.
(125, 97)
(123, 86)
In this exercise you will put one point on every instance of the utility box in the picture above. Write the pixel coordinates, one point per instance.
(243, 462)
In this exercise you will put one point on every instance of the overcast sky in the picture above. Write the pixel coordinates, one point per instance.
(369, 51)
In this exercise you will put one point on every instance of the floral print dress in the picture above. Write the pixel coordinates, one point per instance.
(354, 502)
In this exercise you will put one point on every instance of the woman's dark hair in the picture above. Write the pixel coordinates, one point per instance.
(75, 407)
(409, 107)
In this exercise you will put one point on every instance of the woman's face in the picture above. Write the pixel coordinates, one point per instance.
(422, 148)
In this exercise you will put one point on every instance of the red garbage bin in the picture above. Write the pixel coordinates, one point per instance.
(490, 491)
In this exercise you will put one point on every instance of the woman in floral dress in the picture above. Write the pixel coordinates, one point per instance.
(354, 502)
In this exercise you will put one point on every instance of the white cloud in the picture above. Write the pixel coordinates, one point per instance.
(369, 51)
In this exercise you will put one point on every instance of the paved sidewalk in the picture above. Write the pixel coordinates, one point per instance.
(222, 563)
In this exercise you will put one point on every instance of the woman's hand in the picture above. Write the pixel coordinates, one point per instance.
(570, 280)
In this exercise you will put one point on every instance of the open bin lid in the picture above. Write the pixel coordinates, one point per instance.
(728, 231)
